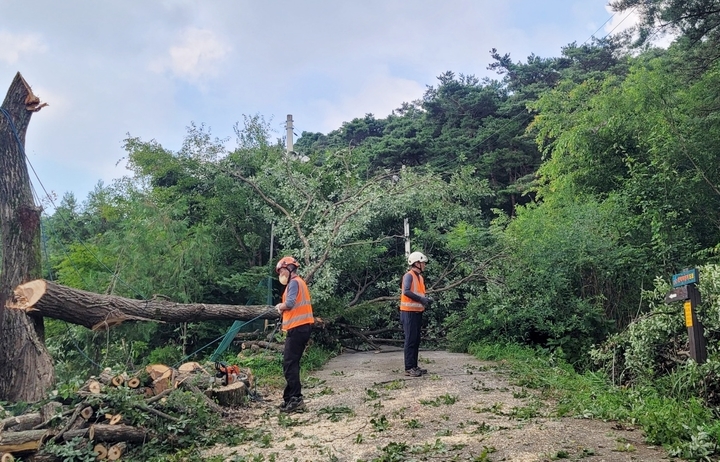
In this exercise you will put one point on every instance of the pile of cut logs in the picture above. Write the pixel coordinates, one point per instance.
(99, 427)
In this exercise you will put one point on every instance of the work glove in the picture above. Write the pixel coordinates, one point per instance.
(428, 302)
(277, 307)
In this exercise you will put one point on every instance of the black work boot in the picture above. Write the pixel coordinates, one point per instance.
(414, 372)
(293, 405)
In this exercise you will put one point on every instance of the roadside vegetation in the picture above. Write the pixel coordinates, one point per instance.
(555, 203)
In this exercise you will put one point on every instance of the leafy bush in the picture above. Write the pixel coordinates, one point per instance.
(655, 346)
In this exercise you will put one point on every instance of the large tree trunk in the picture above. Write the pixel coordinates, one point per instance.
(26, 369)
(97, 311)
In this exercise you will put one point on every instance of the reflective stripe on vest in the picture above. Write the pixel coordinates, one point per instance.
(418, 286)
(301, 313)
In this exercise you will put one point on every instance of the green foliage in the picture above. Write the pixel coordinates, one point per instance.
(75, 450)
(567, 301)
(681, 424)
(651, 349)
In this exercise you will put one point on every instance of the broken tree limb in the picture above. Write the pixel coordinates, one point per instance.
(96, 311)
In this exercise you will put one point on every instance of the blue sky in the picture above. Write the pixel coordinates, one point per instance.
(151, 68)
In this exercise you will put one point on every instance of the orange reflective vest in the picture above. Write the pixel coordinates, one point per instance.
(418, 286)
(301, 313)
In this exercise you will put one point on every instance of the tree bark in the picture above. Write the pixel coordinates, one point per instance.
(97, 311)
(21, 422)
(27, 369)
(19, 442)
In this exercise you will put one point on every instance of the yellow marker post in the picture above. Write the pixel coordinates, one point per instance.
(685, 290)
(688, 313)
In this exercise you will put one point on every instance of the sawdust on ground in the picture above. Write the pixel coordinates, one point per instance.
(361, 407)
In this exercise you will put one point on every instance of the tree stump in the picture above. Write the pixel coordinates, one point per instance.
(230, 395)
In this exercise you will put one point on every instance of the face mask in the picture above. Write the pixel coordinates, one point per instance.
(283, 279)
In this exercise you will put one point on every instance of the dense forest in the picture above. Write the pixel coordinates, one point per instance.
(554, 201)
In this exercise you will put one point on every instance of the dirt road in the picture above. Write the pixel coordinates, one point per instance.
(361, 407)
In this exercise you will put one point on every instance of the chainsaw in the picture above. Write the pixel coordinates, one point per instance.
(228, 373)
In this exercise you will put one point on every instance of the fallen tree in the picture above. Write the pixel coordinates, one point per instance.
(97, 311)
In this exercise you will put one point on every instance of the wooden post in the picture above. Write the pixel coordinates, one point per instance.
(698, 351)
(685, 289)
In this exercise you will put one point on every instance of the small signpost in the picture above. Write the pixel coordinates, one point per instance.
(685, 290)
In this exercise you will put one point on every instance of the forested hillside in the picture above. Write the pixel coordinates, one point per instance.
(554, 202)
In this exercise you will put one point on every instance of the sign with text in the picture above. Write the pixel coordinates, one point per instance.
(685, 278)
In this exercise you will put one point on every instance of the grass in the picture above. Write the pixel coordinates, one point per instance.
(267, 366)
(675, 422)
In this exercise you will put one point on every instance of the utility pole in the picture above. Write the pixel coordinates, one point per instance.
(407, 237)
(289, 136)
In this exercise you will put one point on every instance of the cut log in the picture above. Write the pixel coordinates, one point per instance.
(104, 433)
(7, 457)
(87, 412)
(192, 367)
(19, 442)
(162, 383)
(133, 382)
(156, 370)
(90, 387)
(101, 450)
(116, 419)
(21, 422)
(116, 451)
(230, 395)
(106, 376)
(97, 311)
(117, 381)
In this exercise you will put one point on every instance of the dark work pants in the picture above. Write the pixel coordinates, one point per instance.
(295, 343)
(412, 324)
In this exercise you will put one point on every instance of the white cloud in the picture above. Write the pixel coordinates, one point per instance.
(13, 46)
(380, 95)
(625, 20)
(197, 56)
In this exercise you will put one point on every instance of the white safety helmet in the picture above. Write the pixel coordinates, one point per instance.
(416, 257)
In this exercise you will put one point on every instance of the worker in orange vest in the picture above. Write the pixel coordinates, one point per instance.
(412, 304)
(297, 322)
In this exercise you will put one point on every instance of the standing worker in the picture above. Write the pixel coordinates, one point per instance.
(412, 304)
(297, 322)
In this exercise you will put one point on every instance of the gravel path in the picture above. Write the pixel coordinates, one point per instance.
(361, 407)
